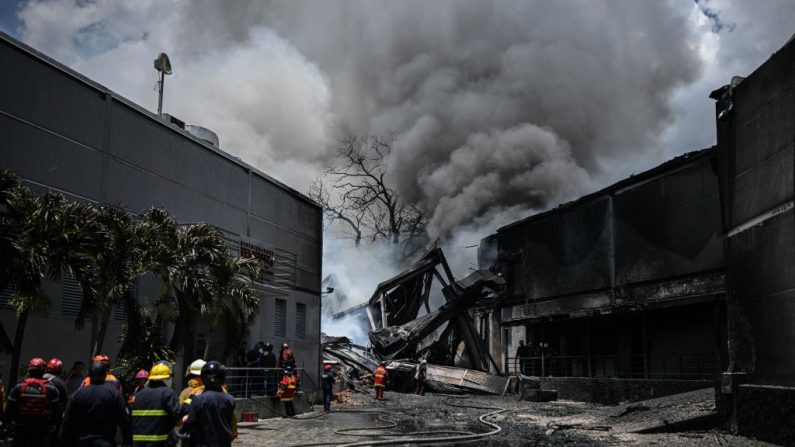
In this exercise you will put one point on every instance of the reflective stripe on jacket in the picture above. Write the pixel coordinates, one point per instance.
(287, 387)
(33, 400)
(380, 375)
(154, 413)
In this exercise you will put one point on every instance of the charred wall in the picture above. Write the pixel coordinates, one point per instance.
(654, 236)
(756, 141)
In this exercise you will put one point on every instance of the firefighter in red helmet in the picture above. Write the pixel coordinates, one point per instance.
(33, 407)
(53, 375)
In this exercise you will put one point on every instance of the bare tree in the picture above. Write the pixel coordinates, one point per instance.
(356, 192)
(337, 210)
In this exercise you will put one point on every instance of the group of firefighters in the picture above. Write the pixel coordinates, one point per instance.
(40, 411)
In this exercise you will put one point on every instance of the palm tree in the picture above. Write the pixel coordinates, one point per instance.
(41, 236)
(182, 257)
(234, 299)
(115, 266)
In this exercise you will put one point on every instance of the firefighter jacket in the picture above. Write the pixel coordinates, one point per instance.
(33, 402)
(287, 387)
(211, 420)
(155, 412)
(195, 386)
(327, 381)
(110, 381)
(63, 394)
(379, 376)
(92, 416)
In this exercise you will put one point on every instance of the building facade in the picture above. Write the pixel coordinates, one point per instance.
(756, 142)
(63, 132)
(627, 282)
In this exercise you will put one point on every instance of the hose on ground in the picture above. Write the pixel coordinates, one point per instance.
(418, 437)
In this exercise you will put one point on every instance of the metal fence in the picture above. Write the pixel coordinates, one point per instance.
(249, 382)
(674, 366)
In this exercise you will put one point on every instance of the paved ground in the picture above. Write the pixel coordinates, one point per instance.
(522, 423)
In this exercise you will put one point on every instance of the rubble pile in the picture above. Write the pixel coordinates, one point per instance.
(405, 329)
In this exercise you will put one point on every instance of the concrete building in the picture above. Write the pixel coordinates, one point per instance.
(63, 132)
(756, 145)
(627, 282)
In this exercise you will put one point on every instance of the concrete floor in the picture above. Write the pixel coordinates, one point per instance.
(523, 423)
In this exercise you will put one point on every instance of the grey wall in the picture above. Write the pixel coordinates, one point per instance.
(63, 132)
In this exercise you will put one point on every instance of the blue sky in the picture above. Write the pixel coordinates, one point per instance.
(8, 17)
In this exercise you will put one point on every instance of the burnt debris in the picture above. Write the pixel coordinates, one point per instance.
(400, 332)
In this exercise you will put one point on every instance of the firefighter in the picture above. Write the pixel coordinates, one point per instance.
(286, 390)
(420, 376)
(327, 381)
(110, 380)
(379, 380)
(140, 382)
(210, 420)
(155, 410)
(286, 357)
(53, 375)
(269, 363)
(195, 385)
(94, 412)
(33, 407)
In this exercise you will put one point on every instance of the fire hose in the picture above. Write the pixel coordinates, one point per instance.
(413, 437)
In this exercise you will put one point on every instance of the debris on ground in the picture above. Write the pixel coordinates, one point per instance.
(523, 423)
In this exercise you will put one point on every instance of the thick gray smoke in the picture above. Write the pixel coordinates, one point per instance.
(494, 105)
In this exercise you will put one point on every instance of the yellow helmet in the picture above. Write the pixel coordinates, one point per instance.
(160, 372)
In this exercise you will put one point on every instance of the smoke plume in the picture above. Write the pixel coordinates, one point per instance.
(493, 105)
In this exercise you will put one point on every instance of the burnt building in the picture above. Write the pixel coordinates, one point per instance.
(756, 144)
(680, 273)
(627, 282)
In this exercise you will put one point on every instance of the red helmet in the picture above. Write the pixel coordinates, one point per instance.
(55, 366)
(327, 367)
(37, 364)
(142, 374)
(102, 358)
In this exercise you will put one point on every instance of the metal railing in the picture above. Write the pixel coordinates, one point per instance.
(673, 366)
(249, 382)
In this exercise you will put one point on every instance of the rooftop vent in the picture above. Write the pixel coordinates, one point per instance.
(203, 134)
(173, 120)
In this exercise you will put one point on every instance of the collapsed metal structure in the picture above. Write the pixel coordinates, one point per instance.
(405, 328)
(398, 331)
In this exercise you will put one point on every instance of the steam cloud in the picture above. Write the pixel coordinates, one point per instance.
(493, 105)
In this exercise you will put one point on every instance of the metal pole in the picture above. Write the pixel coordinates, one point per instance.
(160, 95)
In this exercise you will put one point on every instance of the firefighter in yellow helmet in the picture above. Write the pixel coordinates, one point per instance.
(155, 410)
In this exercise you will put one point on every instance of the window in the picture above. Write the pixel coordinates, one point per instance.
(300, 321)
(5, 297)
(280, 319)
(71, 297)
